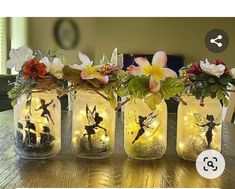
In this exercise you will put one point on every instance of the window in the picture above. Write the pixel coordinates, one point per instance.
(3, 45)
(18, 37)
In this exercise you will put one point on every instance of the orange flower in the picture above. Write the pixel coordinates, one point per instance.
(34, 69)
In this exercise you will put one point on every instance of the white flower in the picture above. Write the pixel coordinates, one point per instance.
(212, 69)
(55, 67)
(18, 57)
(232, 71)
(85, 62)
(88, 70)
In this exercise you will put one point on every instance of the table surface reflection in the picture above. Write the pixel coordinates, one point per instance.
(66, 170)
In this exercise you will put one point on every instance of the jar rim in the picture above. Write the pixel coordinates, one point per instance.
(90, 91)
(52, 92)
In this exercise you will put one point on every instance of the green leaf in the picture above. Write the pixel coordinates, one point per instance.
(72, 75)
(138, 86)
(112, 100)
(12, 94)
(123, 76)
(220, 95)
(104, 60)
(122, 92)
(225, 101)
(153, 100)
(224, 80)
(96, 83)
(28, 103)
(14, 102)
(212, 80)
(63, 59)
(171, 87)
(214, 88)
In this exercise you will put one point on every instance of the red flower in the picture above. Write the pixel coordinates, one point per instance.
(218, 61)
(108, 69)
(194, 69)
(34, 69)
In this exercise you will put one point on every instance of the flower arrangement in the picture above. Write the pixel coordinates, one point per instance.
(37, 70)
(208, 79)
(151, 82)
(93, 76)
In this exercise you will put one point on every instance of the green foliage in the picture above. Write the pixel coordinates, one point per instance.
(104, 60)
(171, 87)
(184, 69)
(123, 76)
(224, 80)
(20, 88)
(153, 100)
(51, 53)
(223, 95)
(112, 99)
(72, 75)
(206, 85)
(112, 88)
(138, 86)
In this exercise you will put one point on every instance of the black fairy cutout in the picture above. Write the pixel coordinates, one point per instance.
(45, 112)
(144, 122)
(46, 137)
(19, 132)
(30, 142)
(30, 138)
(209, 122)
(94, 119)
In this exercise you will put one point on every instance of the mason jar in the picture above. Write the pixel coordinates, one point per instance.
(37, 124)
(93, 125)
(145, 130)
(199, 127)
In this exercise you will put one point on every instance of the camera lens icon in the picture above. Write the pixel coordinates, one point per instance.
(210, 164)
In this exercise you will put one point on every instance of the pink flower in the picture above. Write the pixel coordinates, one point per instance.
(155, 71)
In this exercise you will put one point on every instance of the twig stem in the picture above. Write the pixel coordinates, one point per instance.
(99, 93)
(202, 101)
(229, 90)
(121, 104)
(179, 99)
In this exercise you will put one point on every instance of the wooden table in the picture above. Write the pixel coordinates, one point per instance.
(117, 171)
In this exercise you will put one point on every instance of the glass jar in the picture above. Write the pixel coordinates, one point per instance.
(38, 126)
(145, 131)
(198, 127)
(93, 126)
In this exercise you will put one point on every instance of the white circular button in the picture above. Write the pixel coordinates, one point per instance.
(210, 164)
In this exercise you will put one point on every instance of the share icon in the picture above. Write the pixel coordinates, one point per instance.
(214, 41)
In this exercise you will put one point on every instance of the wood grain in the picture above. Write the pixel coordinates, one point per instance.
(66, 170)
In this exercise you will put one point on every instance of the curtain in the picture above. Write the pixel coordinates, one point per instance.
(3, 45)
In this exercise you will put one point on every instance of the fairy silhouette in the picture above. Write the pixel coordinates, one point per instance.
(30, 138)
(210, 122)
(94, 119)
(144, 122)
(45, 112)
